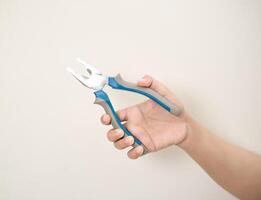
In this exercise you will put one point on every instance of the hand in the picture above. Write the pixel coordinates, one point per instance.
(150, 123)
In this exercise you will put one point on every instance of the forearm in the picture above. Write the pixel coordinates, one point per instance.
(234, 168)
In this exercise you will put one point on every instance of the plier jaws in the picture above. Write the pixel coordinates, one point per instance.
(95, 80)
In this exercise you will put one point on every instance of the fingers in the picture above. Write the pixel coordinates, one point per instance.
(115, 134)
(106, 119)
(122, 114)
(124, 142)
(146, 81)
(149, 82)
(135, 152)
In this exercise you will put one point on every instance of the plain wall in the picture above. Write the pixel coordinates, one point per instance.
(52, 145)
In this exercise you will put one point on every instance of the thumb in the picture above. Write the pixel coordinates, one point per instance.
(149, 82)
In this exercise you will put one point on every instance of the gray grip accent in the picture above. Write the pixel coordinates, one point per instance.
(114, 123)
(174, 109)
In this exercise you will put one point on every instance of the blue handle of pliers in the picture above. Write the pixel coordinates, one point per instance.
(118, 83)
(103, 99)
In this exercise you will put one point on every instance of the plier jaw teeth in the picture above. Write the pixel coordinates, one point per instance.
(95, 80)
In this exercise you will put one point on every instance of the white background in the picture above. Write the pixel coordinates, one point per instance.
(52, 145)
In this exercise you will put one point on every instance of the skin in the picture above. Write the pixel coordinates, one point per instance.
(235, 169)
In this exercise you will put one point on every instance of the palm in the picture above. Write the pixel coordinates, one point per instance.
(154, 126)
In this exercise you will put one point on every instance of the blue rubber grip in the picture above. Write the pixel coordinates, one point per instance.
(116, 85)
(100, 94)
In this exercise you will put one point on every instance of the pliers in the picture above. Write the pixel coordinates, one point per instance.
(97, 82)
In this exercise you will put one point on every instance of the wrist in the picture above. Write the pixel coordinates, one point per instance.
(193, 135)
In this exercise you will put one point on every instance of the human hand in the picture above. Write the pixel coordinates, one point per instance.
(150, 123)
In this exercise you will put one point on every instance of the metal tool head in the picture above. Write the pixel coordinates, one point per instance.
(95, 80)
